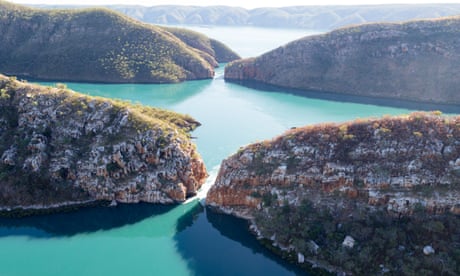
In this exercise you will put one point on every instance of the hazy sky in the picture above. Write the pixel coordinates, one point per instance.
(240, 3)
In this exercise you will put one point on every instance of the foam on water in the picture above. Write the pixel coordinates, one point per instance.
(203, 191)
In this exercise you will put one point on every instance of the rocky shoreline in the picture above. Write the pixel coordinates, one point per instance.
(328, 192)
(32, 210)
(60, 148)
(413, 104)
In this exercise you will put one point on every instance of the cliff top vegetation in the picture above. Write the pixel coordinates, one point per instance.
(141, 115)
(370, 196)
(61, 146)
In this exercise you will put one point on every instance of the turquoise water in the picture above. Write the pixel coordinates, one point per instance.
(233, 115)
(172, 240)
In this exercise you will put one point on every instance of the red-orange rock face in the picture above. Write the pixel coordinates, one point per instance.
(396, 163)
(90, 149)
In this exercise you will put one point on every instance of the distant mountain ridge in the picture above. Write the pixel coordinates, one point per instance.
(309, 17)
(100, 45)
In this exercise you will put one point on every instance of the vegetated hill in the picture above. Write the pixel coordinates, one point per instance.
(365, 197)
(308, 17)
(98, 45)
(416, 61)
(60, 148)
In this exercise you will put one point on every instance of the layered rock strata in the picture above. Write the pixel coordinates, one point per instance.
(309, 186)
(60, 148)
(376, 162)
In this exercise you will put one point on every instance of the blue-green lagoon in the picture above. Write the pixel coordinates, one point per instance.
(146, 239)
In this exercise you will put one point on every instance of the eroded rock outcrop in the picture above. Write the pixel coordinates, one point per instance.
(321, 184)
(383, 162)
(416, 61)
(61, 148)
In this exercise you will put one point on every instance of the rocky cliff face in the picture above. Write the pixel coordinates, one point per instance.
(311, 187)
(414, 61)
(382, 163)
(96, 45)
(59, 147)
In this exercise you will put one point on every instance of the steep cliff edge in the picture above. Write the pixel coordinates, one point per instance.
(96, 45)
(361, 197)
(60, 148)
(416, 61)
